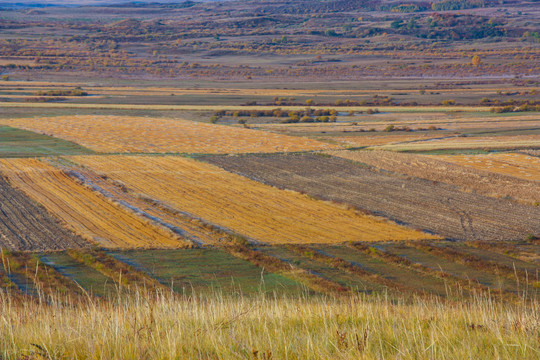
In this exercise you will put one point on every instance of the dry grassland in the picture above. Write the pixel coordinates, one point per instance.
(147, 135)
(123, 90)
(358, 141)
(518, 165)
(484, 142)
(252, 209)
(82, 210)
(392, 109)
(444, 120)
(434, 169)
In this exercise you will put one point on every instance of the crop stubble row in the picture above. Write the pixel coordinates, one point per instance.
(26, 226)
(83, 210)
(255, 210)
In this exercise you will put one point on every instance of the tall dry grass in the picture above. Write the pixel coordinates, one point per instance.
(220, 327)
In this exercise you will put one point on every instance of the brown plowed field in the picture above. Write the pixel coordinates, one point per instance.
(27, 226)
(437, 207)
(431, 168)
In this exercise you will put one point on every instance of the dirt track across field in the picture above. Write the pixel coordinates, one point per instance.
(436, 207)
(28, 227)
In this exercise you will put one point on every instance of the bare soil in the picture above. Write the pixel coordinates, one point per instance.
(25, 226)
(435, 207)
(468, 179)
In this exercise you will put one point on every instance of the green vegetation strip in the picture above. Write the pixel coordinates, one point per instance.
(21, 143)
(196, 271)
(324, 270)
(89, 279)
(413, 280)
(486, 278)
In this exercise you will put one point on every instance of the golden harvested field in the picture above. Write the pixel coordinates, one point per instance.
(149, 135)
(255, 210)
(84, 211)
(477, 142)
(518, 165)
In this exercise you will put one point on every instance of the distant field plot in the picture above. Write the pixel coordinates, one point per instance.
(26, 226)
(132, 135)
(432, 168)
(469, 142)
(21, 143)
(82, 210)
(197, 271)
(247, 207)
(518, 165)
(437, 207)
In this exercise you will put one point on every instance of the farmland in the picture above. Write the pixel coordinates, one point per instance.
(140, 135)
(27, 226)
(458, 215)
(518, 165)
(478, 179)
(84, 211)
(244, 206)
(273, 179)
(481, 142)
(20, 143)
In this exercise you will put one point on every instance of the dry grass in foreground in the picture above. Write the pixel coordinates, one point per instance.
(114, 134)
(217, 327)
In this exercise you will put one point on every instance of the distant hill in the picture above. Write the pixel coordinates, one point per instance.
(70, 3)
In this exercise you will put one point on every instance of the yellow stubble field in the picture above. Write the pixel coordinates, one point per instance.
(84, 211)
(115, 134)
(252, 209)
(518, 165)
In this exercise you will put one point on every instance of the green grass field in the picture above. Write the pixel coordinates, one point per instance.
(207, 270)
(22, 143)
